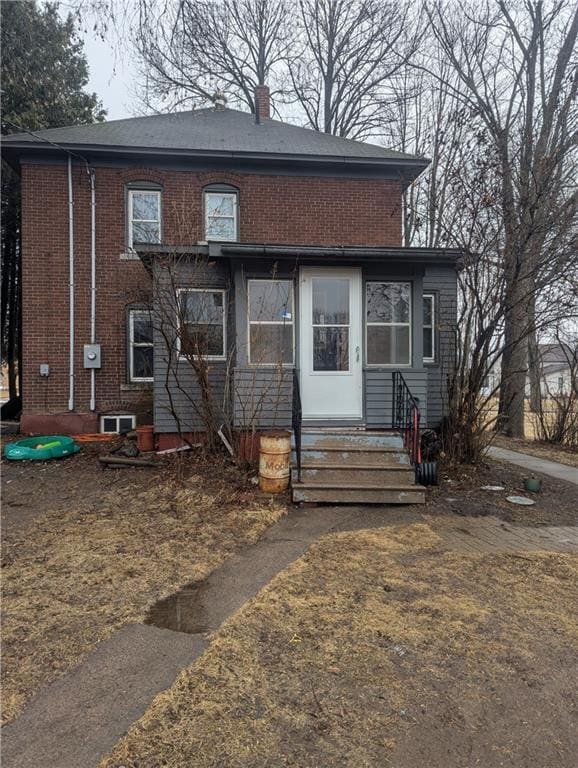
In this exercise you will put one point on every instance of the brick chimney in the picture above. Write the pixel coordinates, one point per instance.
(262, 103)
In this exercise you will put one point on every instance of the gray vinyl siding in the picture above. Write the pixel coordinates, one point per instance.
(379, 391)
(177, 394)
(263, 397)
(442, 282)
(260, 396)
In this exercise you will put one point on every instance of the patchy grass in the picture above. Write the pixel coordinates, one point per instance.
(72, 577)
(367, 636)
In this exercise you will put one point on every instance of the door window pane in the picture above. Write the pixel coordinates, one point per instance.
(330, 301)
(330, 348)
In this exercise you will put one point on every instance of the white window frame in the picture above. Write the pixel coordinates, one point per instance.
(116, 416)
(223, 292)
(431, 327)
(270, 322)
(235, 217)
(403, 325)
(140, 190)
(132, 344)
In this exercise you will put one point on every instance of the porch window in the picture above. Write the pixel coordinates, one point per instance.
(201, 323)
(144, 216)
(221, 214)
(271, 317)
(140, 345)
(388, 323)
(428, 328)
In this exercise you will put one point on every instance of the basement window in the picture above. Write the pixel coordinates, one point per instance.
(117, 423)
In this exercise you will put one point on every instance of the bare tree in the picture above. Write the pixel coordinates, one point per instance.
(351, 51)
(190, 49)
(517, 65)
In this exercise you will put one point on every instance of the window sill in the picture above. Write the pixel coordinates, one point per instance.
(129, 256)
(137, 386)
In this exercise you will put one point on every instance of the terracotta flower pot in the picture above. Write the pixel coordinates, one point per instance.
(145, 438)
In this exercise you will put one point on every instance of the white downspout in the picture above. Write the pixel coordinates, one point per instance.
(70, 288)
(92, 284)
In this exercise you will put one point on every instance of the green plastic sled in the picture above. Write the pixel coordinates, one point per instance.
(41, 448)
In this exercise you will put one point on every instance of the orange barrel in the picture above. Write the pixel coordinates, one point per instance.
(274, 461)
(145, 438)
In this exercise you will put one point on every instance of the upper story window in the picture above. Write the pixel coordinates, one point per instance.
(271, 322)
(429, 328)
(221, 213)
(144, 216)
(388, 328)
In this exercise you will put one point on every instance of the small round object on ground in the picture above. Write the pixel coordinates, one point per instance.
(521, 500)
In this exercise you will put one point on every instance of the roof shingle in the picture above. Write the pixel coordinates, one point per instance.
(212, 131)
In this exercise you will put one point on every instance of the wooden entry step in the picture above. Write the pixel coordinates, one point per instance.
(354, 467)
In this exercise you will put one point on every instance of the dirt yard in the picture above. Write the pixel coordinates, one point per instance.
(87, 550)
(461, 492)
(379, 648)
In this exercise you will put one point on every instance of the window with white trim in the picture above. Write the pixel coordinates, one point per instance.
(388, 323)
(140, 345)
(221, 214)
(271, 322)
(117, 423)
(144, 216)
(429, 346)
(201, 323)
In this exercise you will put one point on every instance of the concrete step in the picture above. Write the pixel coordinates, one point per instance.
(363, 475)
(343, 441)
(343, 494)
(357, 457)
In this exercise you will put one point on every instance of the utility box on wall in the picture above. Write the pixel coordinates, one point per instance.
(92, 355)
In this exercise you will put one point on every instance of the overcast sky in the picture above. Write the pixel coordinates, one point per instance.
(112, 74)
(112, 78)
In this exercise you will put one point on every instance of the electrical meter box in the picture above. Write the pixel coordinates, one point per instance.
(92, 355)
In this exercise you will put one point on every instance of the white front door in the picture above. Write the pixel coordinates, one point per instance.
(331, 343)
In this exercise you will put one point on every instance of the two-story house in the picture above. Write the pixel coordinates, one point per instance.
(277, 246)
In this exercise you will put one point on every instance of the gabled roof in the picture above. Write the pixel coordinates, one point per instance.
(225, 133)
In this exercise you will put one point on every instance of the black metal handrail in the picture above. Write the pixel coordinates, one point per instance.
(405, 417)
(296, 421)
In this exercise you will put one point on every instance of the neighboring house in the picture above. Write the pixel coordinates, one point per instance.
(283, 246)
(558, 366)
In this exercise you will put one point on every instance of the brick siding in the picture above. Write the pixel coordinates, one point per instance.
(273, 209)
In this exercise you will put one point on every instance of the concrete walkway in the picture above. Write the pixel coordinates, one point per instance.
(535, 464)
(77, 719)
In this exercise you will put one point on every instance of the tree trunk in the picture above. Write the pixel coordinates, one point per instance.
(514, 361)
(534, 372)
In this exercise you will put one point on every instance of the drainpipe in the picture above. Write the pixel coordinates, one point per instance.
(92, 284)
(70, 288)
